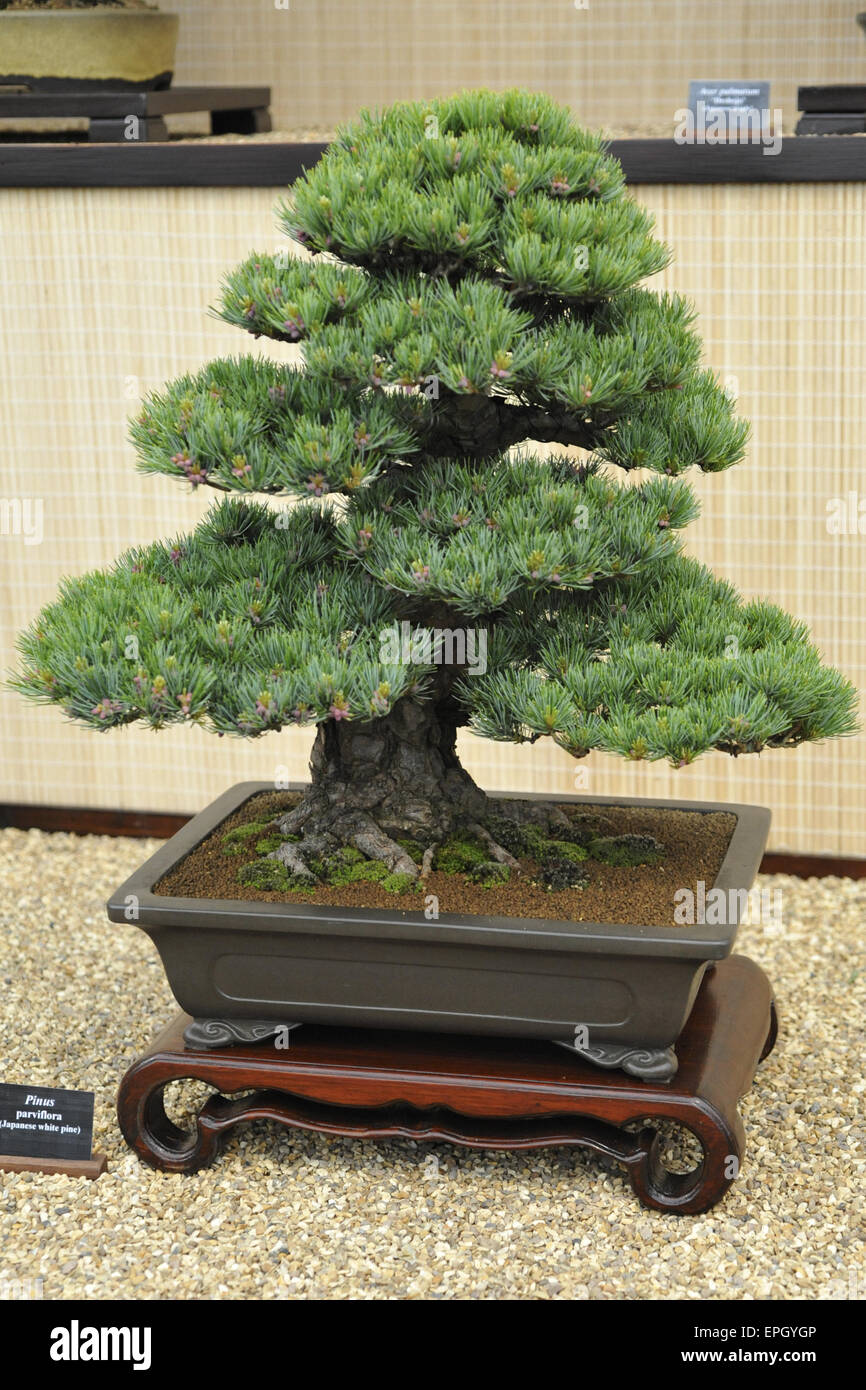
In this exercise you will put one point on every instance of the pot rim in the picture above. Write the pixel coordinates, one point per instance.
(702, 941)
(95, 12)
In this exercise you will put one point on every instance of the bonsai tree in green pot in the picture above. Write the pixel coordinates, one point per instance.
(473, 285)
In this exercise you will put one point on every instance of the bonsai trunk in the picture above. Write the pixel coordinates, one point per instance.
(401, 770)
(377, 782)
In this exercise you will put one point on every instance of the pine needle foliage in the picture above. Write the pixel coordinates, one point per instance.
(463, 276)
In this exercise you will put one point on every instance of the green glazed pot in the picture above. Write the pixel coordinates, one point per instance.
(53, 50)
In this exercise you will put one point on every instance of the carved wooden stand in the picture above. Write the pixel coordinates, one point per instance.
(485, 1093)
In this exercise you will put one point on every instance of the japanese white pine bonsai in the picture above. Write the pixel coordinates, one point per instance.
(472, 285)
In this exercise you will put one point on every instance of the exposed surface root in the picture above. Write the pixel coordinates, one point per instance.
(294, 820)
(393, 791)
(290, 855)
(372, 841)
(315, 844)
(309, 857)
(529, 813)
(389, 802)
(487, 848)
(497, 852)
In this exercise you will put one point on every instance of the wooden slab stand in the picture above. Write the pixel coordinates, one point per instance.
(238, 110)
(484, 1093)
(73, 1167)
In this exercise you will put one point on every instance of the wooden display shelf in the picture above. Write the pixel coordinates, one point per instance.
(194, 163)
(839, 97)
(837, 110)
(138, 117)
(484, 1093)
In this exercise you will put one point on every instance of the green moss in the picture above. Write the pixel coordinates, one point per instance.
(349, 865)
(563, 875)
(584, 827)
(490, 875)
(245, 832)
(270, 876)
(535, 842)
(340, 874)
(370, 871)
(627, 851)
(507, 833)
(367, 871)
(459, 856)
(235, 841)
(413, 849)
(558, 856)
(572, 853)
(400, 883)
(549, 851)
(268, 844)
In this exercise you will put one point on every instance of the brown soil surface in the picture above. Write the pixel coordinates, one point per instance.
(696, 842)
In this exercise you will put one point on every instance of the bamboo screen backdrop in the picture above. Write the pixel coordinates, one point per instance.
(622, 64)
(105, 295)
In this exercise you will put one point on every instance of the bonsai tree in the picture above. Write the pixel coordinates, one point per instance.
(472, 285)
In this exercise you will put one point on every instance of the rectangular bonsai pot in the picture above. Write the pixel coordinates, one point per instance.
(627, 986)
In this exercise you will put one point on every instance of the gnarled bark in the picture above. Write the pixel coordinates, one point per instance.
(482, 426)
(378, 781)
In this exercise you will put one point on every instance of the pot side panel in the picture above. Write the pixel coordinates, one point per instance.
(358, 982)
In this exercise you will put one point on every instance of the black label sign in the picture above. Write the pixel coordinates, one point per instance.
(36, 1122)
(706, 98)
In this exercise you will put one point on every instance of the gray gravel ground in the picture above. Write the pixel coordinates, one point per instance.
(284, 1215)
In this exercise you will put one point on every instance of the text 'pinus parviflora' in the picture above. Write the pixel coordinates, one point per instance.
(464, 281)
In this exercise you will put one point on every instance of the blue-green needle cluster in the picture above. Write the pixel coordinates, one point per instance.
(467, 277)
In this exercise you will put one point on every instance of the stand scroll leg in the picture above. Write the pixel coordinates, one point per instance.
(772, 1032)
(701, 1188)
(154, 1137)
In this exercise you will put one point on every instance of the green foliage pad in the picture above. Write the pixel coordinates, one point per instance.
(464, 275)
